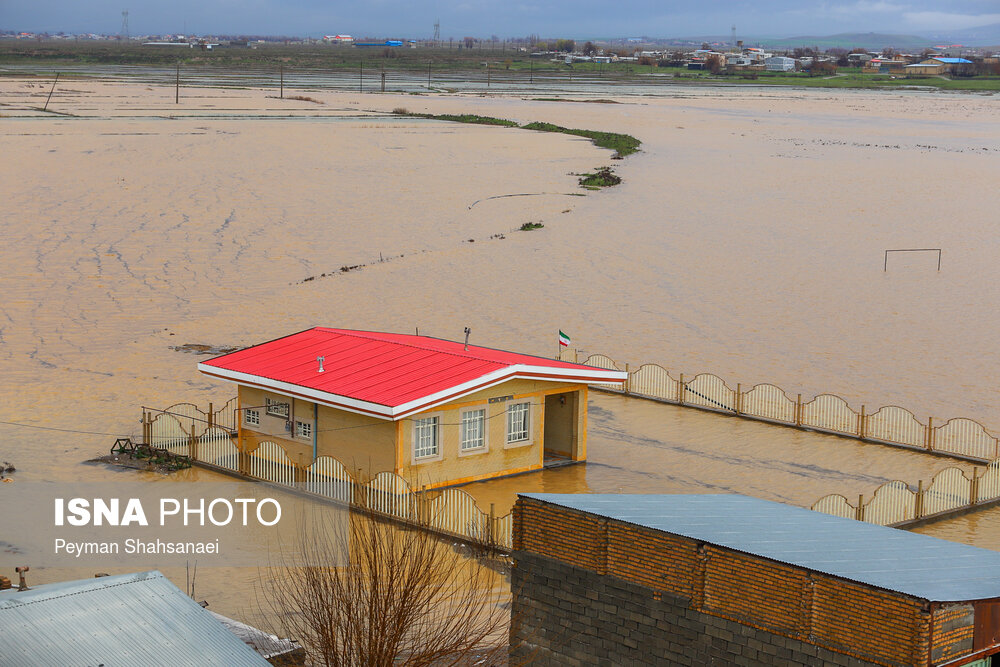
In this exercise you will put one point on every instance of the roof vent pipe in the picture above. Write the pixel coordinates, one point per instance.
(467, 332)
(320, 360)
(22, 585)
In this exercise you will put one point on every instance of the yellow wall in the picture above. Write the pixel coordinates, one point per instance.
(376, 445)
(455, 467)
(357, 441)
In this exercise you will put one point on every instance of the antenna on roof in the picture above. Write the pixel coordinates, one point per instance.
(320, 360)
(467, 332)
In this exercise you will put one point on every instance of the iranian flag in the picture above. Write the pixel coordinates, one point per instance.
(563, 339)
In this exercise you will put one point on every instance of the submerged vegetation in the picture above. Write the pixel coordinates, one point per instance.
(604, 177)
(622, 144)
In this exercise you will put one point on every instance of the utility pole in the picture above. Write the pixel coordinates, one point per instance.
(177, 84)
(361, 76)
(428, 74)
(52, 90)
(282, 82)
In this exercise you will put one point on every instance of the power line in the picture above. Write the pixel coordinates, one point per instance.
(62, 430)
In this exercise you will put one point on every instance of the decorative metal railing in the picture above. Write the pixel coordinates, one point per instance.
(204, 436)
(897, 503)
(891, 425)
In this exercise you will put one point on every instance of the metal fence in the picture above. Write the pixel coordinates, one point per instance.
(897, 503)
(891, 425)
(187, 430)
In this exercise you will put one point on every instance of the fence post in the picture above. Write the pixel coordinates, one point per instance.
(491, 530)
(211, 415)
(739, 398)
(798, 410)
(918, 501)
(193, 447)
(859, 511)
(680, 390)
(974, 487)
(575, 360)
(861, 423)
(628, 380)
(929, 437)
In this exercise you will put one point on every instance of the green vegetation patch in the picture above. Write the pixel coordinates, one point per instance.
(622, 144)
(457, 118)
(604, 177)
(528, 226)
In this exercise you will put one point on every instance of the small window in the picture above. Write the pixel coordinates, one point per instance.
(252, 417)
(303, 429)
(276, 408)
(425, 437)
(518, 422)
(473, 429)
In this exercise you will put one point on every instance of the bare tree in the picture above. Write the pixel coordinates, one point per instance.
(406, 597)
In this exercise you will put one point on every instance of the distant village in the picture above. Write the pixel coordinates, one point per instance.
(714, 57)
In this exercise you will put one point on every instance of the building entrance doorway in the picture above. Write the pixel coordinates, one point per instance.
(561, 434)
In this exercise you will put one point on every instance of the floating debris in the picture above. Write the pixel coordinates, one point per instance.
(200, 348)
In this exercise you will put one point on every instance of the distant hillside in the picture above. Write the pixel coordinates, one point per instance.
(848, 40)
(985, 35)
(866, 40)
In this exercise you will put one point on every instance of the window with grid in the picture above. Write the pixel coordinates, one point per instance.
(303, 429)
(252, 417)
(517, 422)
(425, 437)
(473, 429)
(276, 408)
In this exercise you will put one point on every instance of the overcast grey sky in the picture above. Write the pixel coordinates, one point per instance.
(482, 18)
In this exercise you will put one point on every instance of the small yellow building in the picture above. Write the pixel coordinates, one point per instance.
(433, 411)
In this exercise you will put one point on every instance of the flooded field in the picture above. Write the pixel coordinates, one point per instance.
(747, 240)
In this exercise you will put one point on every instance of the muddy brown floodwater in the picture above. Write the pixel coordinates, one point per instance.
(747, 240)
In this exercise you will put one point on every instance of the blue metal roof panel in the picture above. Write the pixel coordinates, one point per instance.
(917, 565)
(128, 619)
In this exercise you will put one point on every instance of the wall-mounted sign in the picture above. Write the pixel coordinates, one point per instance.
(501, 399)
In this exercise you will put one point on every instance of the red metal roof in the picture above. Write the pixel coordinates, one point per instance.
(384, 374)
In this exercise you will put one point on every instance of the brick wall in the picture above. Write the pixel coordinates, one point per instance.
(811, 608)
(953, 632)
(567, 616)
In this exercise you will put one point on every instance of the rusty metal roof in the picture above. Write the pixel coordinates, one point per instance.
(889, 558)
(386, 375)
(127, 619)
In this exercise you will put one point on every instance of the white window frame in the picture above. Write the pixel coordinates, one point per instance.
(251, 417)
(527, 439)
(301, 426)
(483, 446)
(418, 424)
(277, 408)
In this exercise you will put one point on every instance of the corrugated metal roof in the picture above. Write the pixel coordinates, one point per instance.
(383, 374)
(954, 61)
(128, 619)
(897, 560)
